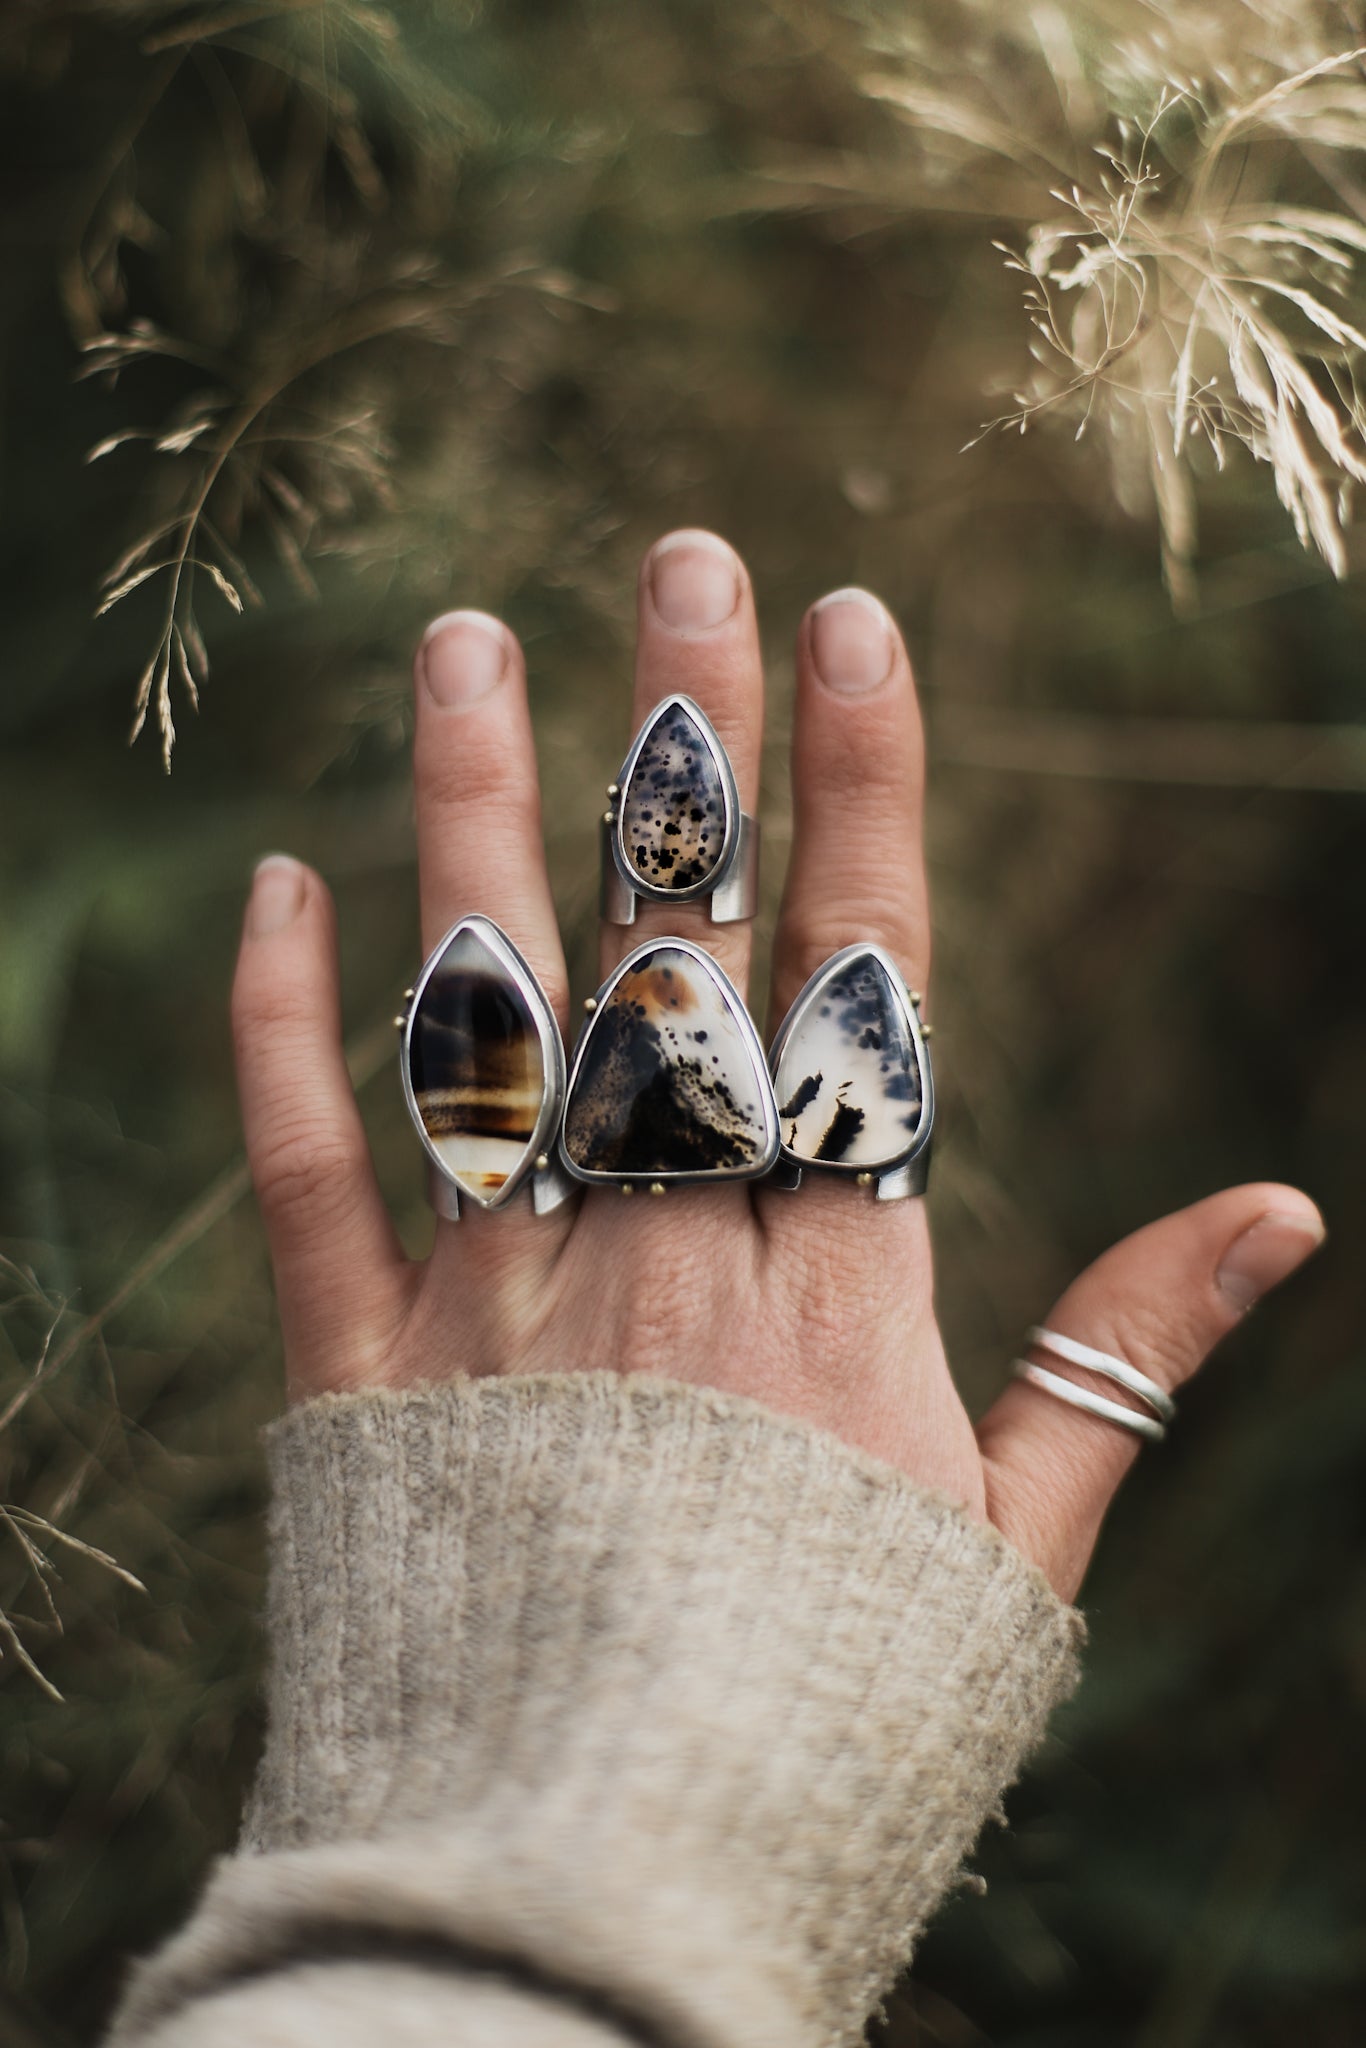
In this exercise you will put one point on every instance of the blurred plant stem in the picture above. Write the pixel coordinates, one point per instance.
(1208, 753)
(366, 1055)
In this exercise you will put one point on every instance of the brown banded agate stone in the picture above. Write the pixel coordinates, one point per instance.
(477, 1067)
(673, 808)
(667, 1080)
(848, 1077)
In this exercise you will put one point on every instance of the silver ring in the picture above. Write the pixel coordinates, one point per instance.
(1093, 1404)
(1109, 1367)
(482, 1067)
(673, 831)
(852, 1077)
(668, 1082)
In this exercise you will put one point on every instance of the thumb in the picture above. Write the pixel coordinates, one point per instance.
(1161, 1300)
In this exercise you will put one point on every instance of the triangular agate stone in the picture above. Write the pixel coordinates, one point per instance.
(847, 1070)
(669, 1079)
(480, 1046)
(675, 817)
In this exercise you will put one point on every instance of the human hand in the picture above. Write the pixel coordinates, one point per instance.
(818, 1304)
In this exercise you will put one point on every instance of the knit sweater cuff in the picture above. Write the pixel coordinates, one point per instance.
(634, 1689)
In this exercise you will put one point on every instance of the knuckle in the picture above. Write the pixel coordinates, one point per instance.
(266, 1007)
(305, 1167)
(810, 940)
(865, 770)
(486, 779)
(728, 945)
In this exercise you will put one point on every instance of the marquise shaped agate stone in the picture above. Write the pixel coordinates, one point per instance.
(674, 803)
(847, 1075)
(670, 1077)
(477, 1064)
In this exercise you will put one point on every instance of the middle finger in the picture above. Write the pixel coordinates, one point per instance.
(697, 636)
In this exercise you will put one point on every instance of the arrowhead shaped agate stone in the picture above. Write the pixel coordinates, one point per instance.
(847, 1076)
(477, 1065)
(673, 804)
(670, 1077)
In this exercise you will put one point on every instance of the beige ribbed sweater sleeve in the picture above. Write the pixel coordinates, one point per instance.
(603, 1710)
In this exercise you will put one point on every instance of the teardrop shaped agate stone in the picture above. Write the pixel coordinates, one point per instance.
(848, 1077)
(673, 809)
(669, 1079)
(477, 1067)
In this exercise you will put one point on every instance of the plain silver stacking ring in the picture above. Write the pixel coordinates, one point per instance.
(1093, 1404)
(1109, 1367)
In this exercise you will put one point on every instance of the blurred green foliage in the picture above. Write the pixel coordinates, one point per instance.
(600, 303)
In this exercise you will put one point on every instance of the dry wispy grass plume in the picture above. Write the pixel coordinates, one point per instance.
(1187, 182)
(38, 1540)
(287, 430)
(1188, 187)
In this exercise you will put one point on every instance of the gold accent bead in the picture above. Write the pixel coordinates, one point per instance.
(657, 1187)
(590, 1003)
(915, 996)
(609, 817)
(865, 1180)
(407, 995)
(626, 1188)
(614, 789)
(542, 1161)
(399, 1023)
(927, 1031)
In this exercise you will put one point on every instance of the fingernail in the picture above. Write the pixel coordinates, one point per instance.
(694, 581)
(277, 895)
(1267, 1253)
(463, 656)
(852, 648)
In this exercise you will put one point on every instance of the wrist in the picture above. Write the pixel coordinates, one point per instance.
(637, 1686)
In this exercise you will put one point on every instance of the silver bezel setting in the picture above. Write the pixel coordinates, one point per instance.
(445, 1192)
(906, 1172)
(753, 1046)
(732, 883)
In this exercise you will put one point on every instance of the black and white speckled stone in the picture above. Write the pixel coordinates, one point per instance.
(673, 808)
(669, 1078)
(848, 1077)
(477, 1067)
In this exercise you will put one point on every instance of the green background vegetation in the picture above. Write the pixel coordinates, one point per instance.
(626, 268)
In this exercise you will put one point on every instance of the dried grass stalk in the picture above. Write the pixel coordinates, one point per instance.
(1198, 288)
(1186, 180)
